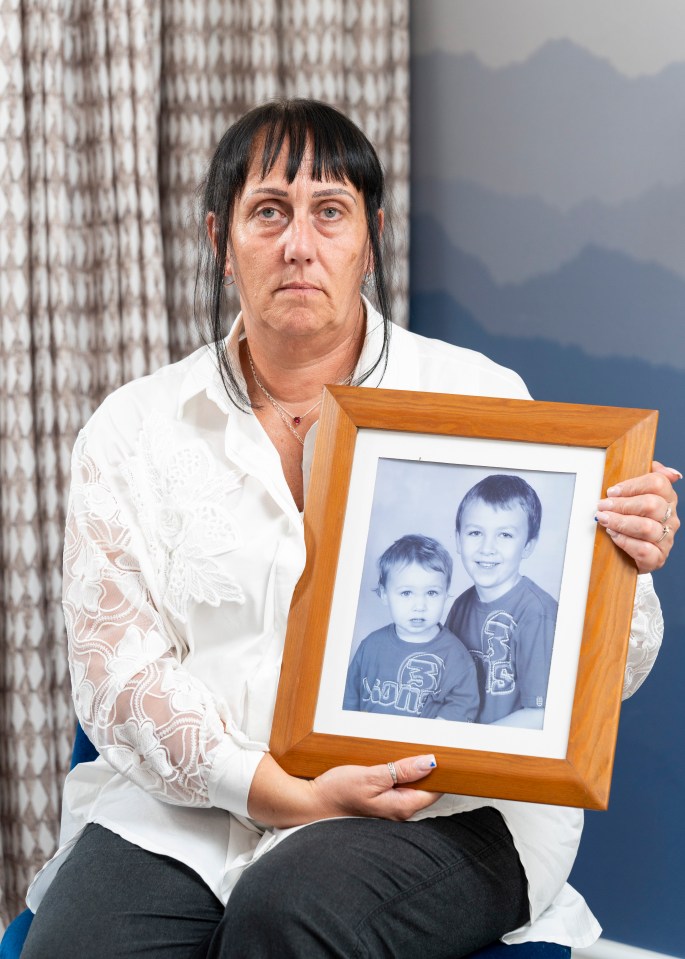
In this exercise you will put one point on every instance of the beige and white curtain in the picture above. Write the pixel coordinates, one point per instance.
(109, 110)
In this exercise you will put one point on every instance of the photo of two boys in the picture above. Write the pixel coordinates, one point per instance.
(466, 565)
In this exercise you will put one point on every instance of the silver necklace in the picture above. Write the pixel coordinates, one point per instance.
(296, 419)
(284, 414)
(285, 419)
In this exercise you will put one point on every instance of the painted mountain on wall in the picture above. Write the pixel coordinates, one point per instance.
(604, 301)
(517, 237)
(548, 199)
(563, 125)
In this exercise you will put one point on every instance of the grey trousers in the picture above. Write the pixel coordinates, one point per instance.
(441, 887)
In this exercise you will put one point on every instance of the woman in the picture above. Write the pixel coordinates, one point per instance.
(184, 544)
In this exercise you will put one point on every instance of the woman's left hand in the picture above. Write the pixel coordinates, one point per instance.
(640, 516)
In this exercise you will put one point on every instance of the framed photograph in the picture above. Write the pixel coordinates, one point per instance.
(459, 598)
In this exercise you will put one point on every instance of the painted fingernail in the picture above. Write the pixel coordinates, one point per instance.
(614, 491)
(601, 518)
(425, 762)
(605, 504)
(673, 470)
(611, 532)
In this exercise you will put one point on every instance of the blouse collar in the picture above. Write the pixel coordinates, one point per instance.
(203, 375)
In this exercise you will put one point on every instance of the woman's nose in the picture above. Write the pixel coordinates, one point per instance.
(300, 240)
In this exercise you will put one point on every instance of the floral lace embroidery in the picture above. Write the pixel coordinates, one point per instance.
(178, 500)
(646, 633)
(149, 718)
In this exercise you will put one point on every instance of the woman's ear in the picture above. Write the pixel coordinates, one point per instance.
(210, 222)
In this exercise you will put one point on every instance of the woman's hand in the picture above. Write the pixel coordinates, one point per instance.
(371, 790)
(640, 516)
(277, 799)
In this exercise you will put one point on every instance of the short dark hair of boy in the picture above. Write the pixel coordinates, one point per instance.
(501, 490)
(414, 548)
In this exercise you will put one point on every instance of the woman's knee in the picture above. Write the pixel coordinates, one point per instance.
(289, 903)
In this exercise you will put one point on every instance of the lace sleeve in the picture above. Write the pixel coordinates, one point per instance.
(646, 633)
(147, 716)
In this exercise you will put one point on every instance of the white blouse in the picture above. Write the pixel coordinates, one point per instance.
(183, 548)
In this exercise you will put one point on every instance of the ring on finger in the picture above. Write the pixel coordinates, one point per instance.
(393, 773)
(664, 534)
(668, 514)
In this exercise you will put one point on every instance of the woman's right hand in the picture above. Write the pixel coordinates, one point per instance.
(278, 799)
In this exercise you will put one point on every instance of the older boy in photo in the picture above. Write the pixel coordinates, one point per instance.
(414, 666)
(505, 620)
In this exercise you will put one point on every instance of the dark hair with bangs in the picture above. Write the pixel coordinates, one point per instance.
(340, 152)
(502, 491)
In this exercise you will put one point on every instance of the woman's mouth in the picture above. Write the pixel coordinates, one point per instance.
(299, 288)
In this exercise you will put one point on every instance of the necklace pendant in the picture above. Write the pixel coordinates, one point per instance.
(297, 420)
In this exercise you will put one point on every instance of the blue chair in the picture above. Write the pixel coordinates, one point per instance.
(84, 752)
(524, 950)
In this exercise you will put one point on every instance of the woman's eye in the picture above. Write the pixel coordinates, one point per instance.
(330, 213)
(270, 214)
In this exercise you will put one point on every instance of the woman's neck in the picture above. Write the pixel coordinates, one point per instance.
(294, 373)
(285, 392)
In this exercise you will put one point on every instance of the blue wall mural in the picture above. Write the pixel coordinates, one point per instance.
(548, 231)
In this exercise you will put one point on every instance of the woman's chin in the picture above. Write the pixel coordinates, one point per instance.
(299, 317)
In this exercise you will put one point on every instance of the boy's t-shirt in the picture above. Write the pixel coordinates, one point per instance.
(511, 641)
(430, 680)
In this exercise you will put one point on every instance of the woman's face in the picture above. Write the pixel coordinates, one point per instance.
(299, 252)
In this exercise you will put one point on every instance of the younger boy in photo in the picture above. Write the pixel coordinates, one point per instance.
(505, 620)
(413, 666)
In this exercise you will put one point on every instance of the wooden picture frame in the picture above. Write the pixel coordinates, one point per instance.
(602, 445)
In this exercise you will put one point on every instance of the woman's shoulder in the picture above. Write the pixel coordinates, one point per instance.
(148, 412)
(444, 367)
(162, 392)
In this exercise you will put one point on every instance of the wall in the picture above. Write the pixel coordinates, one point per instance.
(548, 231)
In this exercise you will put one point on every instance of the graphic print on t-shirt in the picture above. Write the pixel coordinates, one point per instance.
(419, 675)
(494, 658)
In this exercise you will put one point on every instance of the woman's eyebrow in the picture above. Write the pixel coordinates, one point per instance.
(271, 191)
(334, 191)
(331, 191)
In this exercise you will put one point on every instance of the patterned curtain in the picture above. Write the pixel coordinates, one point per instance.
(109, 110)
